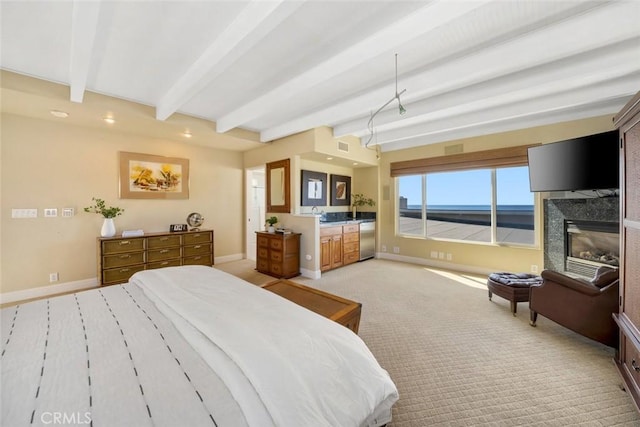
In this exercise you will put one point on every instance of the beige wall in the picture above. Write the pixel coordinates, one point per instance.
(473, 256)
(47, 164)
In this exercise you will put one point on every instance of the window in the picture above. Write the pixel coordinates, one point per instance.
(460, 205)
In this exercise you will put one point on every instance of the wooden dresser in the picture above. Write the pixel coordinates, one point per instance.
(120, 257)
(628, 318)
(278, 255)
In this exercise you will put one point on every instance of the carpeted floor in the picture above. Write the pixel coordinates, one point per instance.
(459, 359)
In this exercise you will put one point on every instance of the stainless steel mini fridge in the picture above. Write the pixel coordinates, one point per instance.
(367, 240)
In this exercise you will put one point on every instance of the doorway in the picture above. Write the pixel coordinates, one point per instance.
(256, 205)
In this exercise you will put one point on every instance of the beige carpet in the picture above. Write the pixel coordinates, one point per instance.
(459, 359)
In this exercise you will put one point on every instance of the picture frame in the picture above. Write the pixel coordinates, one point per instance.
(340, 190)
(148, 176)
(314, 188)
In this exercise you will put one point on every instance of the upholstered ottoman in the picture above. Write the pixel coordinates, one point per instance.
(512, 287)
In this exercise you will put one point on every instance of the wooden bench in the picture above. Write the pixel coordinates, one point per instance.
(340, 310)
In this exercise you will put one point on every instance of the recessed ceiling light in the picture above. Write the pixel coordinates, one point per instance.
(109, 120)
(59, 114)
(355, 163)
(329, 158)
(187, 134)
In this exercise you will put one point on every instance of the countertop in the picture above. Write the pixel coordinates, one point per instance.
(344, 222)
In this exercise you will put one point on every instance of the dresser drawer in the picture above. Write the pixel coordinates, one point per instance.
(122, 245)
(276, 268)
(120, 275)
(163, 241)
(276, 244)
(122, 260)
(351, 247)
(276, 256)
(351, 228)
(194, 238)
(263, 253)
(632, 359)
(330, 231)
(351, 237)
(262, 264)
(263, 241)
(196, 250)
(351, 257)
(198, 260)
(166, 263)
(163, 254)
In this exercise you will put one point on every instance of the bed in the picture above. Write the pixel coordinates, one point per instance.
(187, 345)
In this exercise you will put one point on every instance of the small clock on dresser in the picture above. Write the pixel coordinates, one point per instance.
(178, 227)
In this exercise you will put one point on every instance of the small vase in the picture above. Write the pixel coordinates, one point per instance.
(108, 228)
(271, 229)
(354, 212)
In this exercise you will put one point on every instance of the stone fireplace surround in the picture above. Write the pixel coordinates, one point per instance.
(556, 211)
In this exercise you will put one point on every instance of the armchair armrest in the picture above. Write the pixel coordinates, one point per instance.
(578, 285)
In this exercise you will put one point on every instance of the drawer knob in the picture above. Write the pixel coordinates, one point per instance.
(197, 247)
(635, 365)
(124, 270)
(124, 242)
(125, 256)
(164, 251)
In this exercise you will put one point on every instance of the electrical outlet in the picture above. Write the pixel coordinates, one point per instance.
(449, 257)
(441, 255)
(68, 212)
(396, 249)
(50, 212)
(434, 254)
(53, 277)
(384, 248)
(534, 268)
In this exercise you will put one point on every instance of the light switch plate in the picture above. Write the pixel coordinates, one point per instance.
(24, 213)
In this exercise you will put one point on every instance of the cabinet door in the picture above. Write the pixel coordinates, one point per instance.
(336, 251)
(325, 253)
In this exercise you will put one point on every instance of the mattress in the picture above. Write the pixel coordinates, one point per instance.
(185, 345)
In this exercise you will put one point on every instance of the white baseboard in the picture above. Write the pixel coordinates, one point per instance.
(436, 264)
(46, 291)
(311, 274)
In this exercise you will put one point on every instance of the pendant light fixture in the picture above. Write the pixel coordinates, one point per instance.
(401, 109)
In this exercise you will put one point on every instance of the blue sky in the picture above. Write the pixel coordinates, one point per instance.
(470, 187)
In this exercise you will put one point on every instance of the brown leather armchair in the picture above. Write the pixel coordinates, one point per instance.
(583, 306)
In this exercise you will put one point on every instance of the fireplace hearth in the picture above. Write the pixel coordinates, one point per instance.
(591, 244)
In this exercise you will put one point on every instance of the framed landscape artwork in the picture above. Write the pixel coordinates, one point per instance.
(314, 188)
(147, 176)
(340, 190)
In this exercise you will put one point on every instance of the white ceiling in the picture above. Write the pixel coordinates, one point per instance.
(280, 67)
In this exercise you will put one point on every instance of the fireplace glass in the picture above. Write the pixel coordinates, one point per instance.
(591, 244)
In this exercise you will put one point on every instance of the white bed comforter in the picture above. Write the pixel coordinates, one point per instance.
(284, 365)
(105, 357)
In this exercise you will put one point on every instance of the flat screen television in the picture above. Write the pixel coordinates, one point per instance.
(586, 163)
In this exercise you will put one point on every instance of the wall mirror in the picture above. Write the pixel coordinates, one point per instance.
(278, 187)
